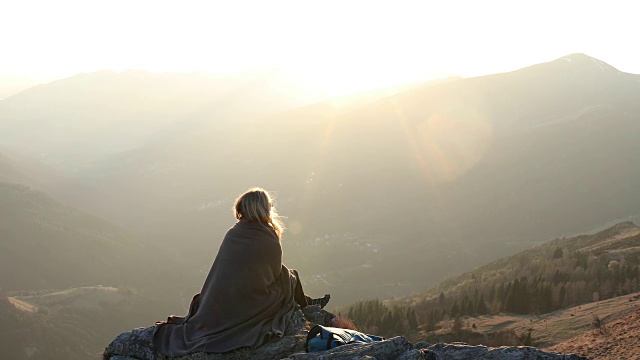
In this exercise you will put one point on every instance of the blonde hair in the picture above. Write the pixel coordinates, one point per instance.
(257, 204)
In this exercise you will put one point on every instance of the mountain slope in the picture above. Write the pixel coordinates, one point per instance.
(611, 248)
(541, 296)
(17, 168)
(46, 245)
(534, 289)
(71, 324)
(9, 172)
(558, 331)
(616, 339)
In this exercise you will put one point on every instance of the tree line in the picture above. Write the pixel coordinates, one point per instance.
(557, 275)
(536, 287)
(374, 317)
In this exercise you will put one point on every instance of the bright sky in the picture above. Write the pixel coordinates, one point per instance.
(337, 46)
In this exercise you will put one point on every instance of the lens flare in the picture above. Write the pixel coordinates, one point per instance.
(447, 143)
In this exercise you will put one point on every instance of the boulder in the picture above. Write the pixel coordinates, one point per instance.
(136, 345)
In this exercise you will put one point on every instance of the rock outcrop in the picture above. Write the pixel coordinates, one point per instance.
(136, 345)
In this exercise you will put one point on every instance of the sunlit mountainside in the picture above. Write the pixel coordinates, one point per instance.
(127, 179)
(558, 274)
(541, 296)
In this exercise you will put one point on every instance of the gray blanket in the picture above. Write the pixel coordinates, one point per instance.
(246, 300)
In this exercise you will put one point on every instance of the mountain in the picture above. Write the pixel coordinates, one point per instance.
(390, 195)
(105, 112)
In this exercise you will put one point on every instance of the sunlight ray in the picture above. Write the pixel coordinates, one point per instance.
(448, 143)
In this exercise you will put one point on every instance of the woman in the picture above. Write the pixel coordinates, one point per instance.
(248, 296)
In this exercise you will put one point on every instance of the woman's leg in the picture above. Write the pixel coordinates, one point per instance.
(304, 300)
(298, 294)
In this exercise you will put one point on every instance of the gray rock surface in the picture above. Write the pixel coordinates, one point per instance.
(136, 345)
(459, 351)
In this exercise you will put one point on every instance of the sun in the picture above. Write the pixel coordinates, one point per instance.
(348, 76)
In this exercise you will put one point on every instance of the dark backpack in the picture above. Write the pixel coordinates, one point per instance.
(322, 338)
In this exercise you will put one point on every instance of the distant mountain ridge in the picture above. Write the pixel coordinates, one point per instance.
(105, 112)
(460, 172)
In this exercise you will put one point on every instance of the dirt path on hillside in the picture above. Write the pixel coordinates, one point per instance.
(23, 306)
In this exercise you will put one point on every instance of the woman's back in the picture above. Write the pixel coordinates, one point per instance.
(247, 298)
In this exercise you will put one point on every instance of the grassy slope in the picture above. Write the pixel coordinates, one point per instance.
(617, 339)
(558, 326)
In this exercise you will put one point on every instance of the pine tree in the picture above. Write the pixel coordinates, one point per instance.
(456, 327)
(464, 306)
(412, 319)
(455, 309)
(558, 253)
(481, 306)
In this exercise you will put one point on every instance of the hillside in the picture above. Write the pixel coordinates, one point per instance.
(548, 331)
(617, 338)
(563, 272)
(540, 296)
(17, 168)
(47, 245)
(44, 246)
(8, 171)
(70, 324)
(606, 258)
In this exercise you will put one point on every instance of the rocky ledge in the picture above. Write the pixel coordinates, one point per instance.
(136, 344)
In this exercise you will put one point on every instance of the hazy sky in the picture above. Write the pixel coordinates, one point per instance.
(338, 46)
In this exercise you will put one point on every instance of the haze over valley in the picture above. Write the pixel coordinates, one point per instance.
(407, 157)
(372, 187)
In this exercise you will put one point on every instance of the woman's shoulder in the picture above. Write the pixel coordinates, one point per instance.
(253, 229)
